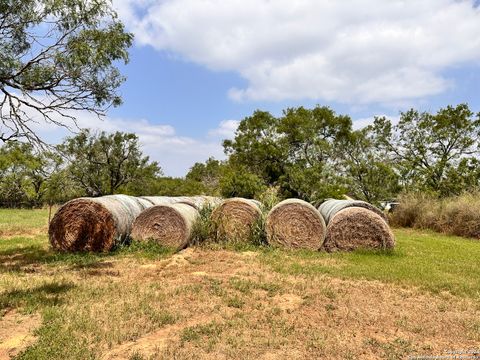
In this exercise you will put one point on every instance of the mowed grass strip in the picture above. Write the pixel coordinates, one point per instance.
(23, 221)
(424, 259)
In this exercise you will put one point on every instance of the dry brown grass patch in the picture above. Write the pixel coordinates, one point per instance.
(309, 318)
(223, 304)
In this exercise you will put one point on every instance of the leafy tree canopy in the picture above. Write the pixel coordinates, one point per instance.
(426, 147)
(102, 164)
(208, 174)
(57, 57)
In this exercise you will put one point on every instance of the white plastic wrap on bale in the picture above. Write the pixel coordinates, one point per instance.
(331, 207)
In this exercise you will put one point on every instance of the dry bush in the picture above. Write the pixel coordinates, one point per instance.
(458, 215)
(461, 216)
(408, 213)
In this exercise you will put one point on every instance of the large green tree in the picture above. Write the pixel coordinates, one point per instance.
(427, 147)
(208, 174)
(297, 152)
(103, 164)
(311, 138)
(239, 182)
(256, 147)
(370, 174)
(57, 58)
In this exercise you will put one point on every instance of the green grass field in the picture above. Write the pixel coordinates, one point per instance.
(144, 302)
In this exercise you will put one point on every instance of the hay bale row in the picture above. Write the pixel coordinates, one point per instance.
(98, 224)
(355, 224)
(295, 224)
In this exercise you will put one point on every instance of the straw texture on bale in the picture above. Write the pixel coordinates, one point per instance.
(94, 224)
(295, 224)
(235, 218)
(356, 227)
(330, 207)
(168, 225)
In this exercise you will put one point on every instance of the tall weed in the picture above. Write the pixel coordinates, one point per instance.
(458, 215)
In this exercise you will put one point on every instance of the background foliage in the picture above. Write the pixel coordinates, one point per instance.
(312, 154)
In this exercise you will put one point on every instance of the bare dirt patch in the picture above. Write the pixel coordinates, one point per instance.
(251, 312)
(151, 344)
(16, 333)
(287, 302)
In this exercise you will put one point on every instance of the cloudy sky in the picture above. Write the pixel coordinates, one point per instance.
(199, 66)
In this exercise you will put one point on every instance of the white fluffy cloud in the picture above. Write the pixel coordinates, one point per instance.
(226, 129)
(175, 153)
(363, 122)
(352, 51)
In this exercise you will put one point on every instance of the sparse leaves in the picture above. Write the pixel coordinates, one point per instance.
(57, 58)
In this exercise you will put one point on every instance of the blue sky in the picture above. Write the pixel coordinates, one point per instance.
(194, 99)
(199, 66)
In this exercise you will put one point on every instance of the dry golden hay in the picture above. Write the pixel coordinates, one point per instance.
(94, 224)
(330, 207)
(356, 227)
(169, 225)
(295, 224)
(234, 219)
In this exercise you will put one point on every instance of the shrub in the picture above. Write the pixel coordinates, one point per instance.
(203, 227)
(241, 183)
(458, 215)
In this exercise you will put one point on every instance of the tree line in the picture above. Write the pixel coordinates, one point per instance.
(315, 153)
(312, 154)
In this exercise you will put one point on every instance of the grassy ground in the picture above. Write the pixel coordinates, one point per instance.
(24, 222)
(146, 302)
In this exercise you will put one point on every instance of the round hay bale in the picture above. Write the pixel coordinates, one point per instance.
(295, 224)
(330, 207)
(356, 227)
(235, 218)
(168, 225)
(94, 224)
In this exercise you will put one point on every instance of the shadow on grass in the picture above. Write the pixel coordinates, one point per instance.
(48, 294)
(26, 259)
